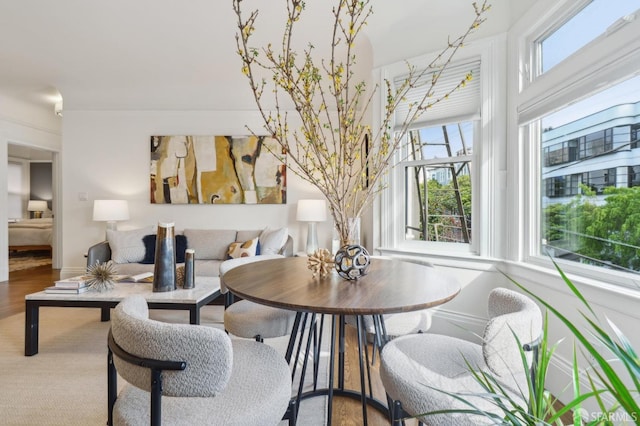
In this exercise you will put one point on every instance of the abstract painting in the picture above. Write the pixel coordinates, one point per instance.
(217, 170)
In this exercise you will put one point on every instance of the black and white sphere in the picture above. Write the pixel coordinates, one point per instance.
(352, 261)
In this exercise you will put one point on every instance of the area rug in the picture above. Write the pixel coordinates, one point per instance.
(28, 259)
(65, 383)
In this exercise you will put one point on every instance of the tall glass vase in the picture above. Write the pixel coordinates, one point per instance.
(164, 270)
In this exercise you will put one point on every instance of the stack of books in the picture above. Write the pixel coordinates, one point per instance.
(73, 285)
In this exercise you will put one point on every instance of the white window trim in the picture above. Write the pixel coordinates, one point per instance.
(605, 61)
(488, 171)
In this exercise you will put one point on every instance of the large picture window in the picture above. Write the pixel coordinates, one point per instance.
(589, 211)
(579, 116)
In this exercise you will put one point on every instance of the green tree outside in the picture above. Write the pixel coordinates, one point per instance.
(600, 233)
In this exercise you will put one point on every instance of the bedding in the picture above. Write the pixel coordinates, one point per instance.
(31, 234)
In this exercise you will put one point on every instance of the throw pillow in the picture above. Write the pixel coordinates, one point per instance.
(127, 246)
(272, 240)
(209, 244)
(149, 242)
(242, 249)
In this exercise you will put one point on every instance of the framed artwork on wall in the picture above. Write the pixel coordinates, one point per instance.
(217, 170)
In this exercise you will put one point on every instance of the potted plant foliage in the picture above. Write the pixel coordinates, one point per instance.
(607, 381)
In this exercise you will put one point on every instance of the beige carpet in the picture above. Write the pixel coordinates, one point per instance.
(28, 259)
(66, 382)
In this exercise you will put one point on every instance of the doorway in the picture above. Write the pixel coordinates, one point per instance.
(33, 235)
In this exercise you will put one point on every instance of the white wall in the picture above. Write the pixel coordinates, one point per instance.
(106, 155)
(22, 124)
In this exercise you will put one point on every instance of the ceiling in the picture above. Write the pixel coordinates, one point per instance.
(173, 54)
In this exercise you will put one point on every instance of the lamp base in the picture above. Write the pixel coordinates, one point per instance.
(37, 215)
(312, 238)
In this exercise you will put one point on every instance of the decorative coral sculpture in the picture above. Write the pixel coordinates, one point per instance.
(102, 276)
(320, 262)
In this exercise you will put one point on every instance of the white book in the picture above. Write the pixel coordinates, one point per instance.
(60, 290)
(145, 277)
(73, 282)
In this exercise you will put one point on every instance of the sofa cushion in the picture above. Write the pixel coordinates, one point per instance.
(272, 240)
(209, 243)
(243, 249)
(127, 246)
(149, 242)
(207, 268)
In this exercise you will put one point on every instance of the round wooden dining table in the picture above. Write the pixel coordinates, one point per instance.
(390, 286)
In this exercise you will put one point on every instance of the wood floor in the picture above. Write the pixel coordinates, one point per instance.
(346, 412)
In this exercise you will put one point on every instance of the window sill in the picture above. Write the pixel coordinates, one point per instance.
(596, 291)
(465, 260)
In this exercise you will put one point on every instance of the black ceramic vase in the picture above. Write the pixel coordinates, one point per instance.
(164, 270)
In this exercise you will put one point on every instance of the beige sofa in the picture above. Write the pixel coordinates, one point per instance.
(127, 249)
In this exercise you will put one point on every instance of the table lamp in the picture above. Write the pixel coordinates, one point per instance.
(110, 211)
(312, 211)
(37, 207)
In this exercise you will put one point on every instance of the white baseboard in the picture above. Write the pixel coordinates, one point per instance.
(67, 272)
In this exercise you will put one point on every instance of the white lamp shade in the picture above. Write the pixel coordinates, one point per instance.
(110, 210)
(37, 205)
(312, 211)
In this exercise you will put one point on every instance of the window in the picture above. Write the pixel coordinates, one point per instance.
(635, 136)
(583, 120)
(594, 19)
(582, 220)
(435, 201)
(434, 174)
(438, 184)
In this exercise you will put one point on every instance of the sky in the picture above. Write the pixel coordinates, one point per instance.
(588, 24)
(595, 19)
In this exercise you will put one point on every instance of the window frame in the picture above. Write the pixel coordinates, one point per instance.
(403, 167)
(488, 154)
(607, 60)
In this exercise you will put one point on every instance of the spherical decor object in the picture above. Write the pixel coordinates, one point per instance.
(101, 276)
(352, 261)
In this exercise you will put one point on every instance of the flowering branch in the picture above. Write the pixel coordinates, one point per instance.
(328, 147)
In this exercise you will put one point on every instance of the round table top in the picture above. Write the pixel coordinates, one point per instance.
(391, 286)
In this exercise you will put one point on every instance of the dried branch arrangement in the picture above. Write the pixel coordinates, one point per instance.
(334, 147)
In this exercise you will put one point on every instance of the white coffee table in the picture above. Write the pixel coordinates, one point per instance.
(206, 289)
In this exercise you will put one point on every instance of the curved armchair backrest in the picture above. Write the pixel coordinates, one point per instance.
(207, 351)
(510, 314)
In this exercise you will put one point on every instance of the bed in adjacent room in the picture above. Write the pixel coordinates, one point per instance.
(30, 234)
